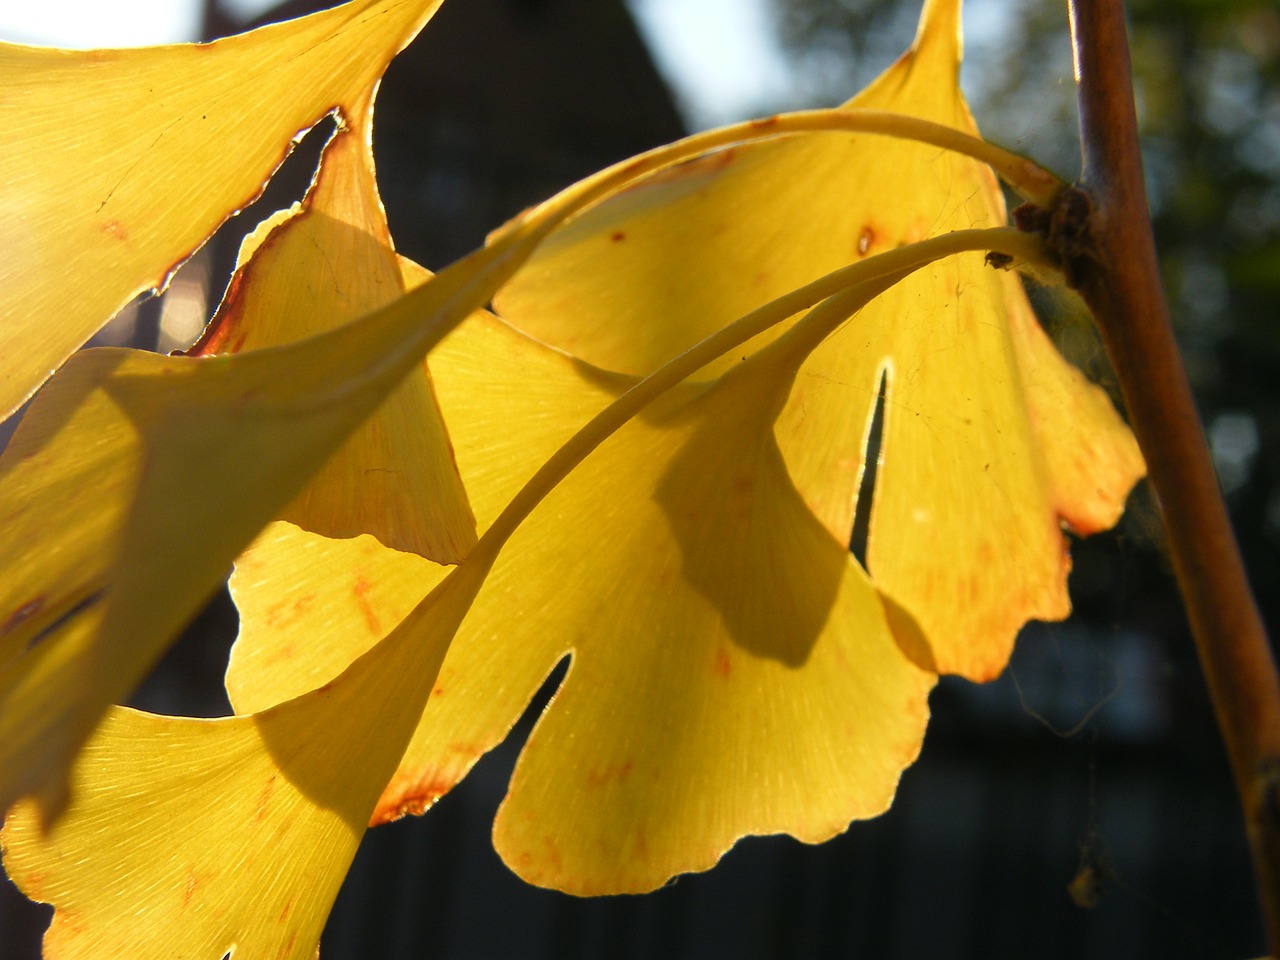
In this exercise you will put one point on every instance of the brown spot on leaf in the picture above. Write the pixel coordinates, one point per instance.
(22, 614)
(618, 236)
(865, 239)
(764, 123)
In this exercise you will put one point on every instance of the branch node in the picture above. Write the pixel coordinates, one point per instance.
(1065, 229)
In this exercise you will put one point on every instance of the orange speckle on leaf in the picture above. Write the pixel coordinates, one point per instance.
(553, 855)
(286, 653)
(264, 798)
(284, 911)
(361, 592)
(33, 886)
(115, 229)
(610, 773)
(723, 666)
(763, 123)
(189, 890)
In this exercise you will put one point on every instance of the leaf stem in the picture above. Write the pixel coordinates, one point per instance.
(466, 284)
(1030, 180)
(1118, 276)
(842, 292)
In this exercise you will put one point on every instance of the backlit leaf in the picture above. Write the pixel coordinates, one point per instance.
(732, 663)
(991, 441)
(328, 263)
(194, 838)
(118, 164)
(134, 480)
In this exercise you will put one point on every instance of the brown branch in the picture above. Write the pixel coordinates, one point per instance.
(1115, 270)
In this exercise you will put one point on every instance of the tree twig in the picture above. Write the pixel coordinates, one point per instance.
(1109, 256)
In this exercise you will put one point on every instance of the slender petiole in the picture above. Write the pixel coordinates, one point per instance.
(838, 294)
(1027, 178)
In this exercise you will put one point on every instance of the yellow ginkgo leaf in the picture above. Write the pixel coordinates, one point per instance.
(118, 164)
(134, 480)
(198, 838)
(327, 263)
(310, 605)
(732, 668)
(991, 441)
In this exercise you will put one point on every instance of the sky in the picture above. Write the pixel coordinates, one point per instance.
(99, 23)
(718, 55)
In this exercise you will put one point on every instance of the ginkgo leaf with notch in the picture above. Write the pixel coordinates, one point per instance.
(991, 442)
(184, 459)
(280, 796)
(610, 569)
(733, 663)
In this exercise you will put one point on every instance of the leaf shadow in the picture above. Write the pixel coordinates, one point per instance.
(749, 543)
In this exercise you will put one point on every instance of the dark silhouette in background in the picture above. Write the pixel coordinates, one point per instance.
(1080, 806)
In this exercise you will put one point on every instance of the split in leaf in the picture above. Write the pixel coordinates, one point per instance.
(118, 164)
(991, 441)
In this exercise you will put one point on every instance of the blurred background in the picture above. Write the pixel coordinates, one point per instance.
(1080, 806)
